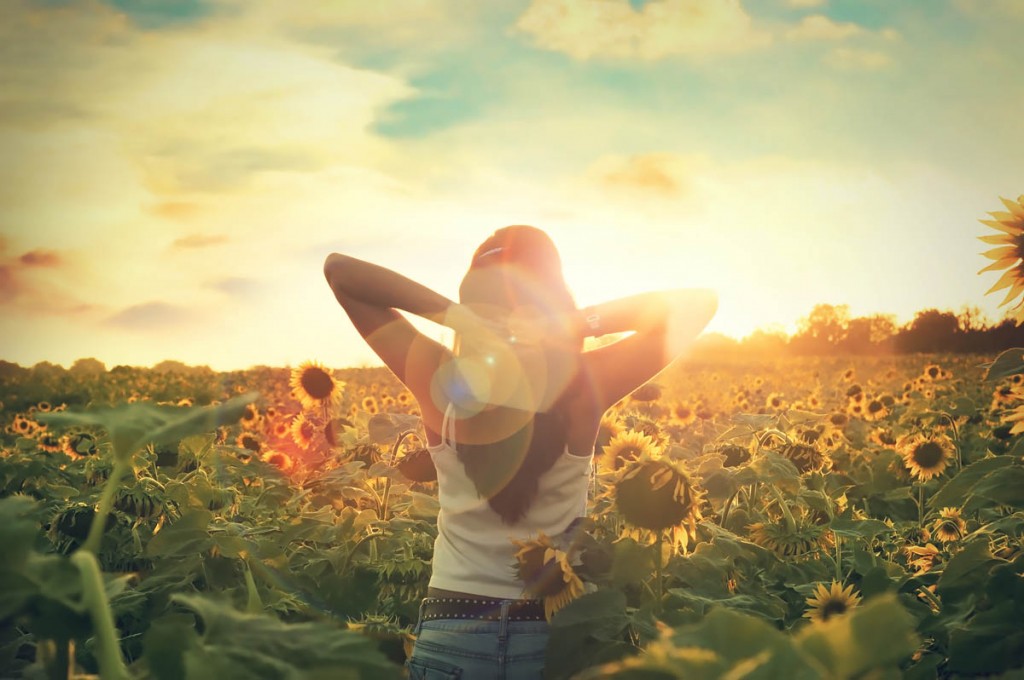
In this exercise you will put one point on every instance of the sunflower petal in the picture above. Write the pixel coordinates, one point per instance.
(1014, 292)
(1007, 279)
(1001, 253)
(997, 239)
(1013, 206)
(1009, 229)
(999, 264)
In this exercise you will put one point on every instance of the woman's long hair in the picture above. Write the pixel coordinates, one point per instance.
(507, 472)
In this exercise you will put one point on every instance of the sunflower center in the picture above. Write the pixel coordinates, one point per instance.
(928, 455)
(833, 608)
(317, 383)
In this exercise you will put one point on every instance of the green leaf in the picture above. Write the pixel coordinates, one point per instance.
(877, 635)
(188, 535)
(965, 571)
(865, 529)
(1009, 362)
(957, 490)
(240, 645)
(132, 426)
(1003, 488)
(772, 468)
(590, 629)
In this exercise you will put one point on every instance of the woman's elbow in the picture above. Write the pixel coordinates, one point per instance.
(333, 266)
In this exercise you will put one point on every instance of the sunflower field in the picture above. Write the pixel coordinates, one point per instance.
(825, 517)
(814, 517)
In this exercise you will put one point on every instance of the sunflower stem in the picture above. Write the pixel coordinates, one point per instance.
(920, 505)
(956, 441)
(728, 506)
(839, 556)
(657, 570)
(94, 599)
(790, 522)
(99, 520)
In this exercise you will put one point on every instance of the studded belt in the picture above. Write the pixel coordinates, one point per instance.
(481, 609)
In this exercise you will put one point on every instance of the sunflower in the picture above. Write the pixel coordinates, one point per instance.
(806, 458)
(249, 441)
(775, 401)
(1009, 253)
(656, 495)
(314, 385)
(883, 437)
(49, 443)
(925, 456)
(950, 526)
(281, 429)
(838, 419)
(302, 430)
(78, 445)
(250, 417)
(278, 459)
(932, 372)
(802, 541)
(732, 454)
(44, 407)
(646, 392)
(628, 445)
(684, 413)
(922, 558)
(829, 602)
(875, 410)
(848, 375)
(370, 405)
(547, 573)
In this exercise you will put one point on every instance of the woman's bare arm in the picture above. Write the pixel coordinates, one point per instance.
(663, 325)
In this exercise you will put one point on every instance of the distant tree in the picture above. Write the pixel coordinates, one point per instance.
(930, 331)
(87, 368)
(822, 330)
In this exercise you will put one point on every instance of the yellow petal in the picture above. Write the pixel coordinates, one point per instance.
(1013, 206)
(999, 264)
(1017, 429)
(1001, 253)
(996, 239)
(1009, 229)
(1007, 279)
(1014, 292)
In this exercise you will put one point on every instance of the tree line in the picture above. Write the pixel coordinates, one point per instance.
(830, 330)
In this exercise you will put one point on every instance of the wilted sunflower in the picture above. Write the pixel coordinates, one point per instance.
(646, 392)
(627, 446)
(1010, 252)
(732, 454)
(925, 456)
(806, 458)
(656, 495)
(803, 540)
(829, 602)
(314, 385)
(302, 430)
(922, 557)
(950, 526)
(547, 573)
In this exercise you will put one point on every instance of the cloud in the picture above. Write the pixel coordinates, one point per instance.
(150, 316)
(991, 8)
(613, 29)
(665, 175)
(199, 241)
(857, 59)
(175, 210)
(237, 286)
(820, 27)
(40, 258)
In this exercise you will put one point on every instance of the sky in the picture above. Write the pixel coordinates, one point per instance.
(173, 173)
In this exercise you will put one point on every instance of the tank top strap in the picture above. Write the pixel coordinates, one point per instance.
(448, 427)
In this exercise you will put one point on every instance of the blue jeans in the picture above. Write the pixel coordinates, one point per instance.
(478, 650)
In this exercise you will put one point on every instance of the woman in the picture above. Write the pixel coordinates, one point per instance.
(511, 417)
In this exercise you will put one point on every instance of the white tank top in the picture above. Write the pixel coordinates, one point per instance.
(473, 552)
